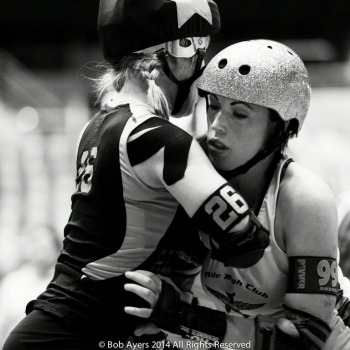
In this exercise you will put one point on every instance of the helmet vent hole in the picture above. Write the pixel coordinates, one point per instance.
(270, 47)
(290, 53)
(222, 63)
(244, 70)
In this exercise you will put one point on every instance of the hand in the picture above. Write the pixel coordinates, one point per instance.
(148, 286)
(339, 337)
(301, 331)
(288, 327)
(169, 312)
(287, 336)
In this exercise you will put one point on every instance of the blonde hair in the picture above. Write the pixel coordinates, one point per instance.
(140, 66)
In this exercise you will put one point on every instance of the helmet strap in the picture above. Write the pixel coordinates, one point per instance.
(185, 85)
(273, 144)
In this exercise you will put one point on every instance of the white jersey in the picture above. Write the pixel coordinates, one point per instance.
(260, 289)
(255, 295)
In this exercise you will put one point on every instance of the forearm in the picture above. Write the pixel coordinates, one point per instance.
(321, 306)
(309, 303)
(238, 238)
(214, 206)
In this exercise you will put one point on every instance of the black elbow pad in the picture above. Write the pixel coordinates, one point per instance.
(220, 216)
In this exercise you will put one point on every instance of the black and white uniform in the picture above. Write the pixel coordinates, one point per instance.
(118, 223)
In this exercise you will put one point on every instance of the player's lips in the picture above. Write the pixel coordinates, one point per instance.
(216, 145)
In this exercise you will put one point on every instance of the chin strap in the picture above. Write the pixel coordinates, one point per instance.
(271, 146)
(242, 169)
(185, 85)
(274, 143)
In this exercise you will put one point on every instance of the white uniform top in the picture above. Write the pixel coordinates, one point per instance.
(254, 294)
(258, 291)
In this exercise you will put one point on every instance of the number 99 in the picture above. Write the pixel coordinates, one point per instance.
(326, 271)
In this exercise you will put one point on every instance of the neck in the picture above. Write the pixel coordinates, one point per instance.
(133, 89)
(136, 89)
(252, 184)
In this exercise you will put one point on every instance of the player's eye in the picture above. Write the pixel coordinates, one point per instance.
(240, 115)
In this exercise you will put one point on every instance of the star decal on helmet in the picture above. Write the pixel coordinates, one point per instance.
(185, 10)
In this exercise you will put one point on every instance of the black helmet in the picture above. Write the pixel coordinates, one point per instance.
(126, 26)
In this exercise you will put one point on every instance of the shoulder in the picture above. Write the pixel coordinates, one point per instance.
(301, 189)
(147, 139)
(158, 129)
(306, 207)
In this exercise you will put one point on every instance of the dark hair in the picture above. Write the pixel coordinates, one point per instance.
(284, 130)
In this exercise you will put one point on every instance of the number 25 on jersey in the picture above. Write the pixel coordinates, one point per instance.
(86, 170)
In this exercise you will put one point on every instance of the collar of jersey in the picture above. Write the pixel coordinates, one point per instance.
(137, 107)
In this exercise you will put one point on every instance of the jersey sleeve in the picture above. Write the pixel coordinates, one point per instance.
(174, 157)
(182, 167)
(156, 134)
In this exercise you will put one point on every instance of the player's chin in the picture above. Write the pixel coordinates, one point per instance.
(220, 158)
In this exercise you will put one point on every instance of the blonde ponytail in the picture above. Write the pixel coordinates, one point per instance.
(146, 67)
(155, 95)
(110, 81)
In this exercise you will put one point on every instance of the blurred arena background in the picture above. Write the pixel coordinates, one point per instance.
(48, 53)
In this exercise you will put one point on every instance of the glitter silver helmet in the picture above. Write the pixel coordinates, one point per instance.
(261, 72)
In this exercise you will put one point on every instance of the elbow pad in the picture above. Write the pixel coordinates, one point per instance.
(190, 321)
(222, 216)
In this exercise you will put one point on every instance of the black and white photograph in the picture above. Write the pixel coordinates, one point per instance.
(175, 174)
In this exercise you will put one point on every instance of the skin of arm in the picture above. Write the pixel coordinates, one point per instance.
(306, 225)
(151, 173)
(199, 182)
